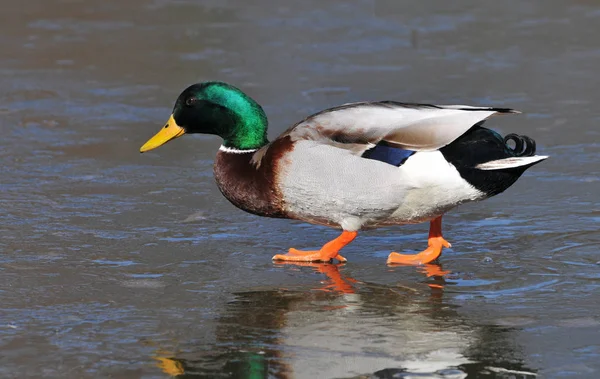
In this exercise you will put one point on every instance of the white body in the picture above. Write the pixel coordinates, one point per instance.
(347, 191)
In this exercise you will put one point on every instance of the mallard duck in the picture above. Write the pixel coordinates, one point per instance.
(353, 167)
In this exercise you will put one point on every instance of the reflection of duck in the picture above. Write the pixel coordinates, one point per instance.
(360, 165)
(346, 328)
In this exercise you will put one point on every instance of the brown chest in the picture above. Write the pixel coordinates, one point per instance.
(250, 186)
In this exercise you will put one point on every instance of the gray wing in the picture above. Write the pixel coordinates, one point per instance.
(418, 127)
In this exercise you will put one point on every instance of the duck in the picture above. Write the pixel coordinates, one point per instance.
(353, 167)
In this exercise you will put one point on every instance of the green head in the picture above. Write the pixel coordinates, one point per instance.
(215, 108)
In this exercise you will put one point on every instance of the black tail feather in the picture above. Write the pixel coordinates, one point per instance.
(480, 145)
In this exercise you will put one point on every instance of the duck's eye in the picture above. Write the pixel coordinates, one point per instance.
(190, 101)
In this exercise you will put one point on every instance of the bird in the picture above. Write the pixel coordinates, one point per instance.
(353, 167)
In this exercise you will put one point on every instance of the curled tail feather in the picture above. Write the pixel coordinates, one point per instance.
(524, 154)
(524, 146)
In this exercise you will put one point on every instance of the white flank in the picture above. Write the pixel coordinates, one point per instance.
(323, 186)
(434, 187)
(231, 150)
(505, 163)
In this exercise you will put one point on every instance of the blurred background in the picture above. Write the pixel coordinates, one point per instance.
(116, 264)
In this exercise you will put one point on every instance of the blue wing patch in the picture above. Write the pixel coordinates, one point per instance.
(388, 154)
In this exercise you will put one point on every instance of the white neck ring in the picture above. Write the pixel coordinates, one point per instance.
(232, 150)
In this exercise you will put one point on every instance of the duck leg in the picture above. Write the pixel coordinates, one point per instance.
(435, 245)
(328, 252)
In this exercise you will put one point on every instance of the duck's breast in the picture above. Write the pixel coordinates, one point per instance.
(249, 179)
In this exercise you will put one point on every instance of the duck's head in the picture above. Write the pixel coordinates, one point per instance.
(215, 108)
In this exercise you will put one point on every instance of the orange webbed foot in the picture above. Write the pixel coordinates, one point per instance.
(435, 245)
(328, 252)
(428, 255)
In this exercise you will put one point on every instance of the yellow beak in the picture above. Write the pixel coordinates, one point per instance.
(167, 133)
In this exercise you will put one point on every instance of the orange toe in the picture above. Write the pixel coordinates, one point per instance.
(295, 255)
(340, 259)
(441, 241)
